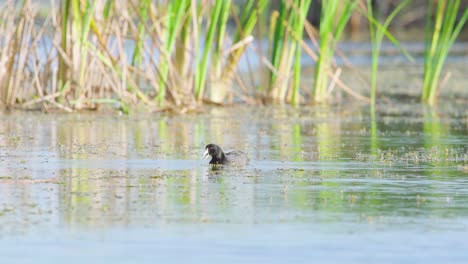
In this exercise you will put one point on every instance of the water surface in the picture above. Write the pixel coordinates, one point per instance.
(326, 184)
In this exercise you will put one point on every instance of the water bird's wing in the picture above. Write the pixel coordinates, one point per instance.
(237, 157)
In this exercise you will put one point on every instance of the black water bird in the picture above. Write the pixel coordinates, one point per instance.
(218, 157)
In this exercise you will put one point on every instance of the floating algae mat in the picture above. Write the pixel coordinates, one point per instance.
(324, 183)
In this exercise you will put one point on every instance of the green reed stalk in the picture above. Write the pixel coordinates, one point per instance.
(63, 67)
(298, 29)
(286, 37)
(225, 71)
(283, 52)
(218, 92)
(85, 25)
(108, 8)
(220, 30)
(143, 9)
(333, 19)
(249, 18)
(81, 25)
(185, 50)
(172, 22)
(277, 40)
(183, 43)
(202, 67)
(377, 32)
(439, 39)
(374, 143)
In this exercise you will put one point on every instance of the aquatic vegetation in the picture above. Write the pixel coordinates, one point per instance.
(286, 37)
(440, 36)
(173, 20)
(393, 157)
(224, 67)
(178, 55)
(17, 34)
(221, 59)
(334, 17)
(150, 55)
(377, 32)
(216, 28)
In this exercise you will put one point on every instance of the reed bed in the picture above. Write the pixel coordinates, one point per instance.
(157, 55)
(176, 55)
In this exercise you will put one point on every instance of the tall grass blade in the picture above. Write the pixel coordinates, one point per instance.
(439, 39)
(286, 50)
(143, 10)
(63, 67)
(217, 89)
(226, 66)
(298, 29)
(172, 26)
(330, 32)
(202, 68)
(377, 32)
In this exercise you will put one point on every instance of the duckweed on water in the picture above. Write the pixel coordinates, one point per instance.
(329, 181)
(422, 155)
(463, 168)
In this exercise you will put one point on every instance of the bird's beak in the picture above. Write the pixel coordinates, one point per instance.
(205, 154)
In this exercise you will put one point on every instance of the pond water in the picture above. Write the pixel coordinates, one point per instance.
(325, 184)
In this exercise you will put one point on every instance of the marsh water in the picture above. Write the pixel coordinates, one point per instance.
(325, 184)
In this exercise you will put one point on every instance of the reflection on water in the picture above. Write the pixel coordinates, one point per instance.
(313, 170)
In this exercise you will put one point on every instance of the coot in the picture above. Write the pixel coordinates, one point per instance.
(235, 157)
